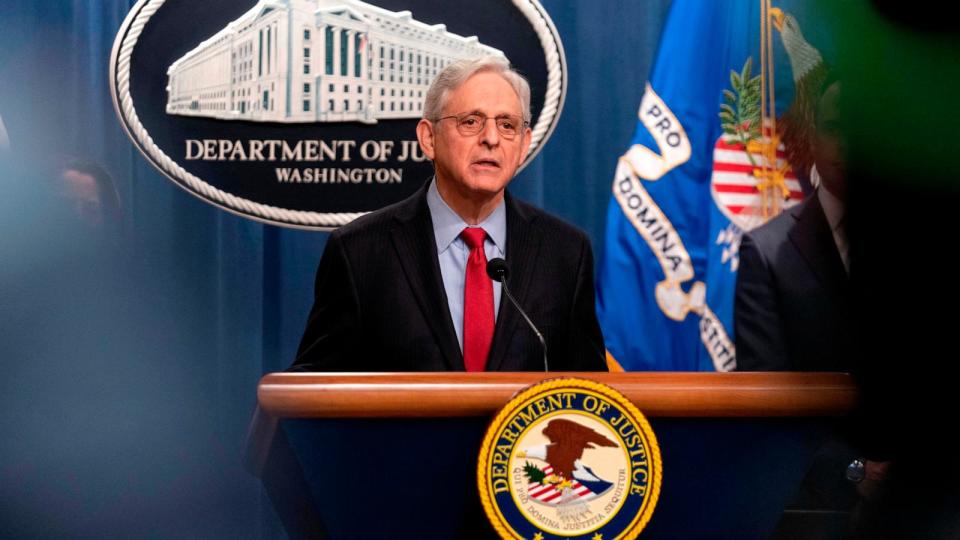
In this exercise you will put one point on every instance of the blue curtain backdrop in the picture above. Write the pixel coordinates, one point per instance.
(130, 367)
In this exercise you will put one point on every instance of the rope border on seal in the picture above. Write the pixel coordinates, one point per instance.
(656, 460)
(123, 102)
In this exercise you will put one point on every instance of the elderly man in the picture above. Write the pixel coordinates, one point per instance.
(405, 288)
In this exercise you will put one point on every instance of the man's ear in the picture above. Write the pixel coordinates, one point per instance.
(427, 137)
(525, 142)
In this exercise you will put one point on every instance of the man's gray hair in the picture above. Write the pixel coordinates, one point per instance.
(457, 73)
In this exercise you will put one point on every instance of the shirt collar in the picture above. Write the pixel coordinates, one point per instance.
(447, 224)
(833, 208)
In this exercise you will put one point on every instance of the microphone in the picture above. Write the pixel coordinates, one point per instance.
(498, 271)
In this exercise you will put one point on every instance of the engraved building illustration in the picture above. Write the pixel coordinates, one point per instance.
(293, 61)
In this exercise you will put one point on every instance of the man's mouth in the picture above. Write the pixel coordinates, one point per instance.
(487, 163)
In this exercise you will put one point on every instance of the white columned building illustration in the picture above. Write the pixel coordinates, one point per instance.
(295, 61)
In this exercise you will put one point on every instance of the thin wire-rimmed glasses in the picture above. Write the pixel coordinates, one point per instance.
(469, 124)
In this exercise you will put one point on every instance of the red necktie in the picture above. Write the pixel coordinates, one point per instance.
(477, 303)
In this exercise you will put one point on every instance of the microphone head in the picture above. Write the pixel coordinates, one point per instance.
(498, 270)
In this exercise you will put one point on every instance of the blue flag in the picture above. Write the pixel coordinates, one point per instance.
(704, 166)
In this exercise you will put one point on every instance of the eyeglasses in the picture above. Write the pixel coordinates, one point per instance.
(472, 123)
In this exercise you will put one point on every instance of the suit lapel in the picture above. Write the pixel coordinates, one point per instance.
(416, 246)
(814, 240)
(523, 244)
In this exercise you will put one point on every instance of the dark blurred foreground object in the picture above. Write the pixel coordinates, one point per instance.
(901, 66)
(107, 424)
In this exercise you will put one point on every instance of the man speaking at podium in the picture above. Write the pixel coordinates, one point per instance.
(406, 288)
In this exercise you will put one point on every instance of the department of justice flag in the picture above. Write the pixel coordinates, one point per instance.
(706, 164)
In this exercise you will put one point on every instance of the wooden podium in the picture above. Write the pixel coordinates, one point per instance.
(393, 455)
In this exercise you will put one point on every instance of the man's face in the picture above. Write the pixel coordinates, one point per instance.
(829, 147)
(476, 166)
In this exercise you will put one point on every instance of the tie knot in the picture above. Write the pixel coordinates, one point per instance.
(474, 237)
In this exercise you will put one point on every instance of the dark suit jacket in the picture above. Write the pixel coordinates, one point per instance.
(792, 313)
(380, 304)
(792, 309)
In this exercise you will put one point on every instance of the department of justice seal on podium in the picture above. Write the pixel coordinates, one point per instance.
(569, 459)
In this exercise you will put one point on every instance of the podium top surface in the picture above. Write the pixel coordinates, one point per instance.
(657, 394)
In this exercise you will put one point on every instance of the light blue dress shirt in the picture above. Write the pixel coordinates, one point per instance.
(453, 251)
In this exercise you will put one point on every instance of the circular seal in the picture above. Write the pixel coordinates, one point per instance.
(303, 113)
(569, 458)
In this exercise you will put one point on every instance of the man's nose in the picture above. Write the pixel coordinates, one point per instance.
(489, 134)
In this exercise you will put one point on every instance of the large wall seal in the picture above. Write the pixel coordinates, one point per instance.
(302, 113)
